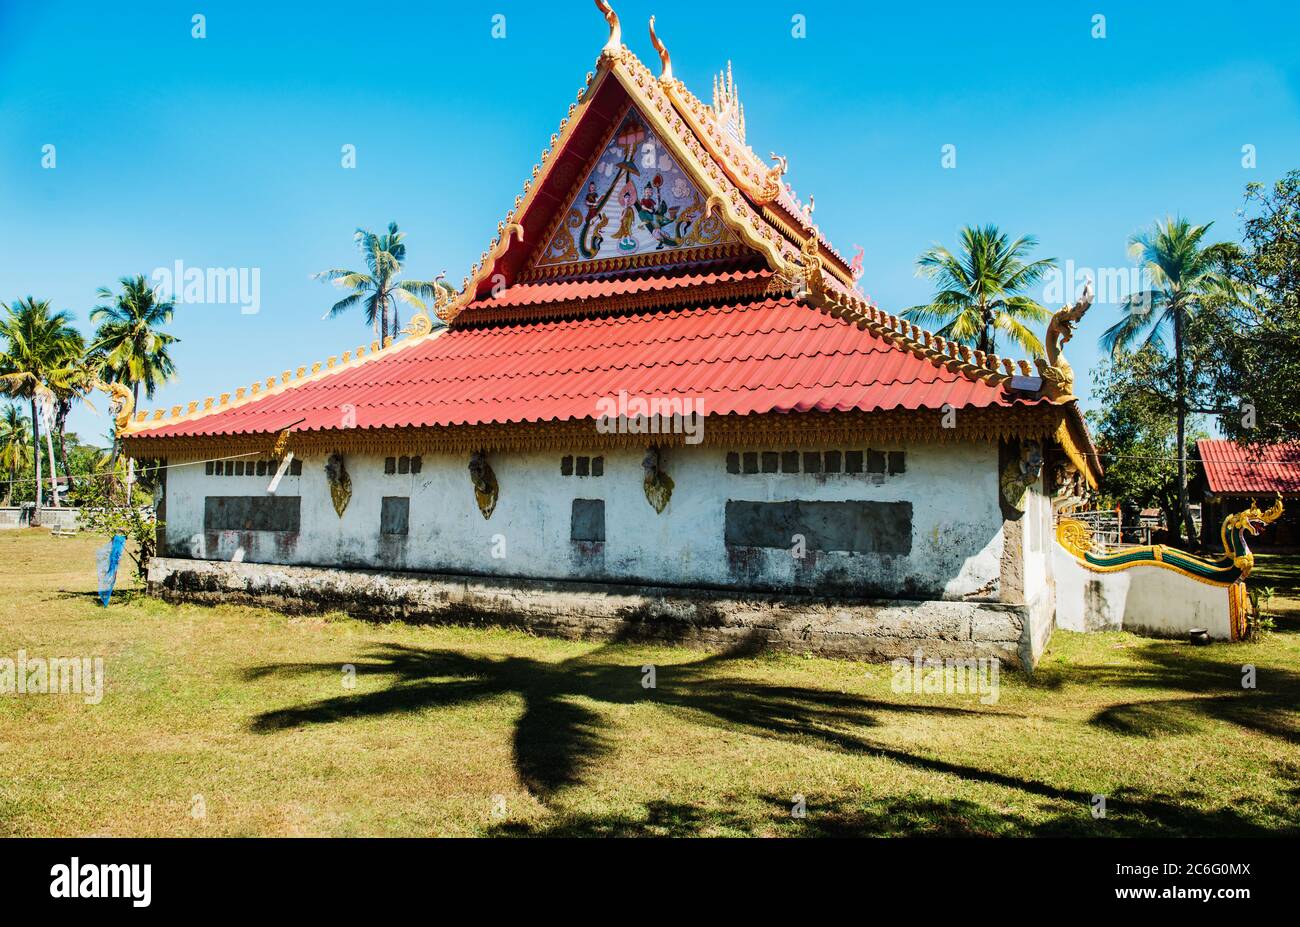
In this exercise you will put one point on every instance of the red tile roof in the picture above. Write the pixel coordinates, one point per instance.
(1234, 468)
(765, 355)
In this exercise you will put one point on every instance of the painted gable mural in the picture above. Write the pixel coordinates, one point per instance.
(637, 201)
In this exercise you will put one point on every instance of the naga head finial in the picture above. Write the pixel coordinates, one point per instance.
(666, 75)
(772, 180)
(615, 30)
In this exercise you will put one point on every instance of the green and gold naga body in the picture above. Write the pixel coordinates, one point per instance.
(1233, 564)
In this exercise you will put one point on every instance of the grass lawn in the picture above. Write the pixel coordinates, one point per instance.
(243, 715)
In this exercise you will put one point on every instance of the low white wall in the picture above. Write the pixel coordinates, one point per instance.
(1144, 599)
(62, 517)
(956, 545)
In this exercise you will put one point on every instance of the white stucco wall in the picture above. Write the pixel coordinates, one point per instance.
(1143, 599)
(956, 528)
(1040, 584)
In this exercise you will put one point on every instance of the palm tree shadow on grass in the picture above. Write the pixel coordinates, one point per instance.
(557, 739)
(1210, 688)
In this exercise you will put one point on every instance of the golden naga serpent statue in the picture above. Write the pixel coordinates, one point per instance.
(1235, 563)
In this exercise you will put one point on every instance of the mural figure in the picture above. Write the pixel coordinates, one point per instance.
(637, 189)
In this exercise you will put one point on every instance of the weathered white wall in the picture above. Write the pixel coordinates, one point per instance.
(1143, 599)
(956, 538)
(1040, 583)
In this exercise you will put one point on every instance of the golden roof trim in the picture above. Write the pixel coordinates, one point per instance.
(145, 421)
(792, 429)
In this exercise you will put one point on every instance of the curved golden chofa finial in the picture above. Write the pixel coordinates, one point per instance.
(615, 30)
(666, 74)
(121, 403)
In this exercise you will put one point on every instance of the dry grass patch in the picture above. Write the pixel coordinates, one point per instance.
(245, 713)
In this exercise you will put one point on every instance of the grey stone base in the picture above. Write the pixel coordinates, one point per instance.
(831, 627)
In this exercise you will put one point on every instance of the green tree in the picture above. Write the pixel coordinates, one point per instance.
(15, 445)
(1254, 329)
(378, 291)
(41, 349)
(1137, 432)
(1184, 272)
(84, 371)
(108, 513)
(980, 291)
(134, 349)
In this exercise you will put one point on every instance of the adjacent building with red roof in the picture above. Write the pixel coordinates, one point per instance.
(1234, 475)
(660, 373)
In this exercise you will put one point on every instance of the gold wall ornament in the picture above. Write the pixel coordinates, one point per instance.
(1020, 473)
(281, 446)
(658, 484)
(486, 488)
(340, 483)
(666, 73)
(1056, 370)
(1069, 487)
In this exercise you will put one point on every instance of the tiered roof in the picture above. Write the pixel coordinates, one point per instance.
(652, 252)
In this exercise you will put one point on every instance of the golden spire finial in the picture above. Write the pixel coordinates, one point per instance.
(615, 31)
(667, 74)
(726, 103)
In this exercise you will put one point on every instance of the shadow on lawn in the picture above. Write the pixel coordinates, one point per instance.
(1214, 683)
(1129, 814)
(558, 741)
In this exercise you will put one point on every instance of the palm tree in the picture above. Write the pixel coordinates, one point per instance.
(379, 290)
(134, 350)
(83, 373)
(979, 291)
(41, 348)
(15, 444)
(1183, 273)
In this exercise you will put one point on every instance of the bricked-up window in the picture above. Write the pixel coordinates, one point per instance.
(394, 515)
(252, 513)
(582, 466)
(588, 521)
(856, 527)
(852, 462)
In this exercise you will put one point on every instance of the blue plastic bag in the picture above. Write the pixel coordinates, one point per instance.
(106, 559)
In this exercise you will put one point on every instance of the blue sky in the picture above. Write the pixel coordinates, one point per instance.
(225, 151)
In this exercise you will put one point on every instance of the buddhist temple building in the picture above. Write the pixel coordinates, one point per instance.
(659, 403)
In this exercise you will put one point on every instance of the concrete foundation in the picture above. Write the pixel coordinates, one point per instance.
(860, 629)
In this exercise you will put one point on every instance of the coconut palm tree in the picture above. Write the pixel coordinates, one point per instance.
(1183, 271)
(134, 350)
(980, 290)
(15, 445)
(379, 290)
(40, 350)
(84, 371)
